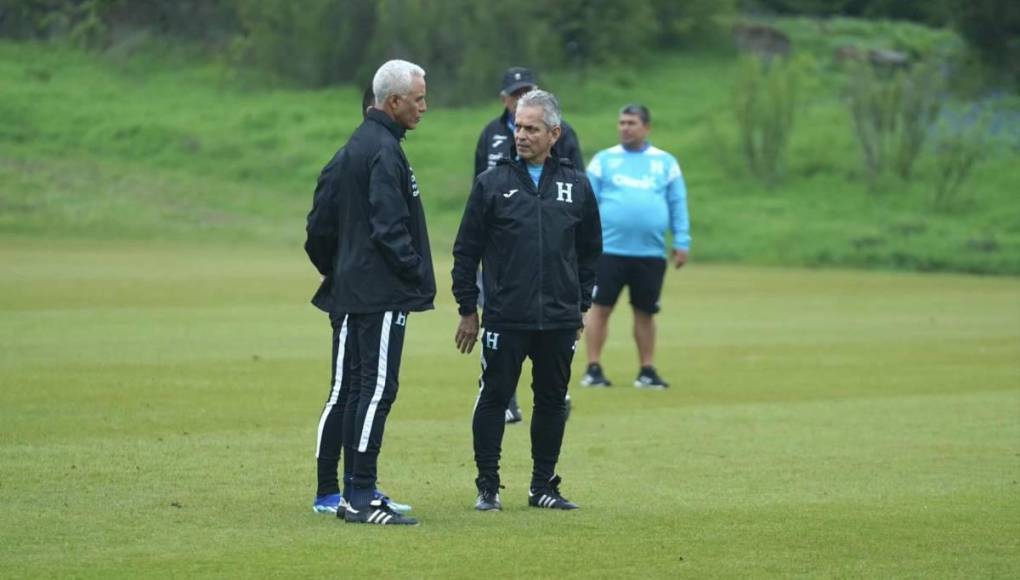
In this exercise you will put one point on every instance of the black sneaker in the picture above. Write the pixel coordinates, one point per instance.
(649, 379)
(488, 494)
(593, 377)
(513, 412)
(549, 497)
(378, 512)
(488, 500)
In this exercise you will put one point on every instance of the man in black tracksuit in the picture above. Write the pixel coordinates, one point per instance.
(497, 142)
(367, 237)
(534, 226)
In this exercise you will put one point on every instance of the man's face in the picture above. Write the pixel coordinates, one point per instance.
(533, 138)
(510, 101)
(408, 109)
(632, 131)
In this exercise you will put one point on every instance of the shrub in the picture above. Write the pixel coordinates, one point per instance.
(960, 144)
(892, 113)
(765, 98)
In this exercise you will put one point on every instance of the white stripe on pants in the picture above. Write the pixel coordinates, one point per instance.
(338, 378)
(380, 381)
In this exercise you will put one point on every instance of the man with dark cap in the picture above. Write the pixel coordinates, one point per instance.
(497, 142)
(497, 139)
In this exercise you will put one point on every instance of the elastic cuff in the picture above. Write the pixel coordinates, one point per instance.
(465, 310)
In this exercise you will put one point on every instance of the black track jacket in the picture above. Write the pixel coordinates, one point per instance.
(497, 142)
(366, 231)
(538, 247)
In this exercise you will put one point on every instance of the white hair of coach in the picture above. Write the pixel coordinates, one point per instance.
(394, 77)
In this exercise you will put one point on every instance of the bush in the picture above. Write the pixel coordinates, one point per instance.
(892, 113)
(961, 142)
(765, 99)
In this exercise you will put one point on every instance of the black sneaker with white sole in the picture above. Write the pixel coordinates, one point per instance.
(377, 512)
(549, 497)
(594, 377)
(649, 379)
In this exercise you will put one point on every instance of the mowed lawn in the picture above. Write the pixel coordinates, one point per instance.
(158, 405)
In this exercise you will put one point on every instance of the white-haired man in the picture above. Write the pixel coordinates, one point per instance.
(533, 223)
(367, 237)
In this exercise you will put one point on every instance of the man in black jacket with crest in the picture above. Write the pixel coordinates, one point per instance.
(533, 223)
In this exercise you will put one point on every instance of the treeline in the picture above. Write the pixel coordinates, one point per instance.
(990, 26)
(464, 44)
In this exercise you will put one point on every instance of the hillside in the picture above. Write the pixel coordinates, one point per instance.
(160, 145)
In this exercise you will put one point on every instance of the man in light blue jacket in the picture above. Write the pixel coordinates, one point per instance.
(641, 194)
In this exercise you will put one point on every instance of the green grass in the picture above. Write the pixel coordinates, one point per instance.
(166, 145)
(158, 404)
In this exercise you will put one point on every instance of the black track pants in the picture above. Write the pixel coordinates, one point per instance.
(503, 353)
(376, 343)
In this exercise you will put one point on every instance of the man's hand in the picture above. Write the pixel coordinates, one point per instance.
(467, 333)
(679, 258)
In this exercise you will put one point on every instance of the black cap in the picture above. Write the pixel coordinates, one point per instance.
(516, 78)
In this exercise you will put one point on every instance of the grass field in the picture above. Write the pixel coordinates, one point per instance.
(158, 404)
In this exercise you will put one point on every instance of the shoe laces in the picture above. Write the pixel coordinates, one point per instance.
(490, 493)
(554, 486)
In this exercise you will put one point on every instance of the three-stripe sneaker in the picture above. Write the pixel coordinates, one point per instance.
(513, 415)
(377, 512)
(513, 412)
(549, 497)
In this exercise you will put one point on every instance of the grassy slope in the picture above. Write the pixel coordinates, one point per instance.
(160, 147)
(158, 405)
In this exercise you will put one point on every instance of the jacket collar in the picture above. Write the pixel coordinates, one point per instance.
(552, 163)
(385, 120)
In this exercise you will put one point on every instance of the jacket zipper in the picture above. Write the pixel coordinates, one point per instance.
(541, 245)
(541, 270)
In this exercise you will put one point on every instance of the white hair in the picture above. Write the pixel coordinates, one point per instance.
(547, 102)
(394, 77)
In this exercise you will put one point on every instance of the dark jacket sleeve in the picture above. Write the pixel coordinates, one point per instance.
(322, 227)
(468, 250)
(588, 244)
(388, 215)
(571, 148)
(481, 157)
